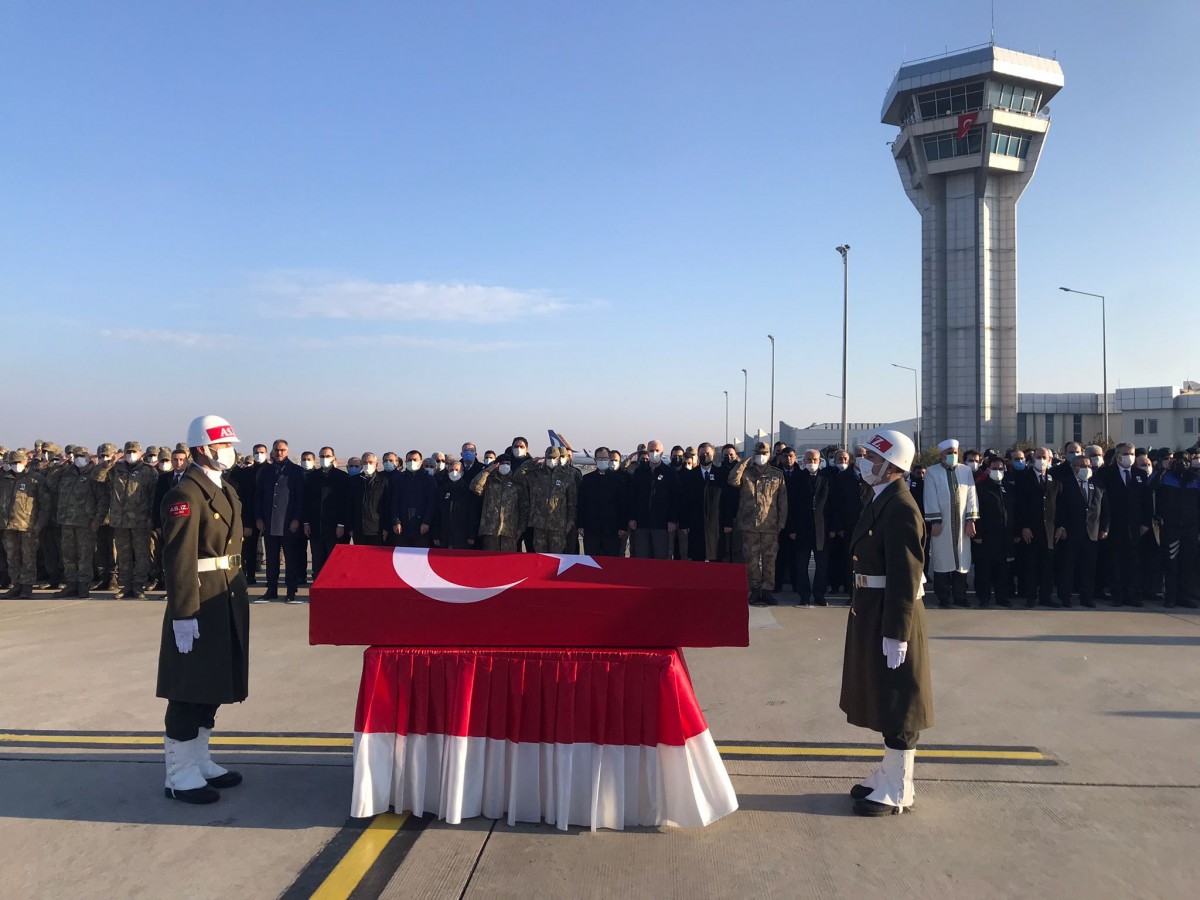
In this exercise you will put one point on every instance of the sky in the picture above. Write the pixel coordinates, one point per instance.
(395, 226)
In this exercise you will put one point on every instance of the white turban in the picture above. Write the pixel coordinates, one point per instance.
(948, 444)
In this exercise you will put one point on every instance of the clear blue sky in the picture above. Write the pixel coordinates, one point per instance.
(386, 225)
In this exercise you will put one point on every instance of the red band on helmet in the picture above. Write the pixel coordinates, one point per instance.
(880, 443)
(220, 434)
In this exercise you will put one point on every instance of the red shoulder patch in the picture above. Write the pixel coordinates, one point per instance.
(179, 510)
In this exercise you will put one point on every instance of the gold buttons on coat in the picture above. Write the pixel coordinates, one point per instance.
(216, 515)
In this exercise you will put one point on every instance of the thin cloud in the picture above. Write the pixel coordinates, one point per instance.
(410, 301)
(163, 337)
(401, 340)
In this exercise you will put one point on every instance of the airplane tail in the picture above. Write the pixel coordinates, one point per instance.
(557, 440)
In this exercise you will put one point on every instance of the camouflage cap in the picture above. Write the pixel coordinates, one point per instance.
(553, 453)
(106, 449)
(150, 451)
(15, 456)
(134, 446)
(52, 448)
(181, 447)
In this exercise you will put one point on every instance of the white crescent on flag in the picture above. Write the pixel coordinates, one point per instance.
(412, 565)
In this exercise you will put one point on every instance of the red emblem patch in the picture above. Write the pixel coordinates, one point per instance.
(220, 433)
(880, 443)
(179, 510)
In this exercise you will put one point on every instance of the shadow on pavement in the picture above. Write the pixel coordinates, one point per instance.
(1156, 714)
(275, 797)
(837, 805)
(1147, 640)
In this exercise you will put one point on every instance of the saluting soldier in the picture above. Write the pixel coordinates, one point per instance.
(885, 678)
(204, 655)
(505, 510)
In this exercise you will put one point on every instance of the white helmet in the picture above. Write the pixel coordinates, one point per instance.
(894, 446)
(210, 430)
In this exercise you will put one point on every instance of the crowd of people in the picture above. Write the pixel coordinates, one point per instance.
(1045, 528)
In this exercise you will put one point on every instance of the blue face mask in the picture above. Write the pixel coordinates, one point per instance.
(389, 466)
(468, 456)
(1071, 455)
(353, 470)
(1019, 465)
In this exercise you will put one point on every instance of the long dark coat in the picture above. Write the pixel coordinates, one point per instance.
(201, 520)
(889, 541)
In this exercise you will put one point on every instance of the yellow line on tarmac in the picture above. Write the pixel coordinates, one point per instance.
(872, 752)
(146, 740)
(349, 871)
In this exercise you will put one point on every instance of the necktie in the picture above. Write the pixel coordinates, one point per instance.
(1125, 477)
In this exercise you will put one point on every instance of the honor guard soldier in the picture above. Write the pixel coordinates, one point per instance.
(205, 650)
(885, 679)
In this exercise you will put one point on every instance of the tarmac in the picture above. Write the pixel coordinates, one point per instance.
(1064, 763)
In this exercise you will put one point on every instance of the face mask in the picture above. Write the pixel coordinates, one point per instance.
(1125, 461)
(369, 469)
(164, 466)
(307, 465)
(677, 461)
(81, 462)
(488, 460)
(1039, 465)
(430, 470)
(1097, 462)
(996, 474)
(551, 463)
(950, 460)
(389, 466)
(1196, 463)
(656, 456)
(1083, 474)
(152, 460)
(602, 465)
(842, 467)
(866, 469)
(1147, 471)
(505, 468)
(468, 456)
(455, 475)
(519, 452)
(18, 467)
(105, 459)
(353, 470)
(973, 465)
(326, 462)
(441, 466)
(413, 465)
(813, 467)
(761, 459)
(1071, 456)
(1018, 465)
(132, 458)
(226, 458)
(260, 457)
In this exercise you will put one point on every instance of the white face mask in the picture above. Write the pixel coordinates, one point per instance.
(1125, 461)
(973, 465)
(81, 462)
(132, 458)
(813, 467)
(226, 458)
(455, 475)
(430, 470)
(307, 464)
(842, 467)
(413, 465)
(18, 467)
(441, 466)
(504, 468)
(761, 459)
(996, 474)
(656, 456)
(551, 463)
(152, 460)
(1147, 471)
(369, 468)
(326, 462)
(260, 457)
(1097, 462)
(519, 452)
(1083, 474)
(164, 466)
(1039, 465)
(602, 465)
(866, 470)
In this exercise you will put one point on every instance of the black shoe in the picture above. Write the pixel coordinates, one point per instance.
(13, 592)
(945, 604)
(291, 600)
(126, 594)
(1187, 604)
(266, 597)
(1030, 604)
(112, 585)
(54, 586)
(1007, 604)
(871, 808)
(138, 594)
(250, 580)
(985, 604)
(1090, 603)
(193, 795)
(820, 601)
(71, 590)
(1137, 604)
(228, 780)
(861, 792)
(84, 593)
(766, 598)
(26, 592)
(964, 604)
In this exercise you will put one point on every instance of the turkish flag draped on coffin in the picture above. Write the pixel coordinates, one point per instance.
(439, 598)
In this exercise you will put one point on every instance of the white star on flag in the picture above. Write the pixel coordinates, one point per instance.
(566, 560)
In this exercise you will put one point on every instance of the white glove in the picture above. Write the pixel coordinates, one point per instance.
(188, 630)
(895, 651)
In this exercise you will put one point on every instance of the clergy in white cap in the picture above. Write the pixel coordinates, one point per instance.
(951, 508)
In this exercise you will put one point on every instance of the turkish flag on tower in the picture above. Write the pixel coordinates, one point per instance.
(965, 122)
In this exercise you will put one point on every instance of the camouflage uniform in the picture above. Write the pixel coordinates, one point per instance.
(762, 512)
(553, 496)
(24, 511)
(104, 564)
(75, 514)
(127, 507)
(50, 540)
(505, 508)
(5, 581)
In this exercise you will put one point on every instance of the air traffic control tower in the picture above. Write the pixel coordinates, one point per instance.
(972, 125)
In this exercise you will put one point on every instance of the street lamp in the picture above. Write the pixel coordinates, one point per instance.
(917, 400)
(727, 417)
(844, 249)
(1103, 346)
(771, 338)
(745, 400)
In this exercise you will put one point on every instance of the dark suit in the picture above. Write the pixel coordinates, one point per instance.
(370, 515)
(326, 509)
(412, 501)
(1037, 504)
(1126, 493)
(1083, 511)
(456, 512)
(245, 482)
(808, 497)
(845, 504)
(994, 547)
(602, 512)
(279, 501)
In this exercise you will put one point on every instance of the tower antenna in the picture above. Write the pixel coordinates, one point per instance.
(993, 23)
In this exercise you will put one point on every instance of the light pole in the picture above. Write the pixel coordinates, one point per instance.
(917, 400)
(1104, 349)
(771, 338)
(727, 417)
(844, 249)
(745, 400)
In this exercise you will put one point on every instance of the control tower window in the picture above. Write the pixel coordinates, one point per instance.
(946, 145)
(951, 101)
(1010, 144)
(1013, 97)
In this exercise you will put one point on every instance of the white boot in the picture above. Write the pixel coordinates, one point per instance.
(894, 782)
(184, 778)
(216, 776)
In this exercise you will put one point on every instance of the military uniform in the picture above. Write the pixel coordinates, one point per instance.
(762, 512)
(126, 506)
(75, 512)
(553, 498)
(24, 511)
(505, 511)
(105, 558)
(50, 540)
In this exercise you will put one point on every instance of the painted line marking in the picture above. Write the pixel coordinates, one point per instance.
(351, 868)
